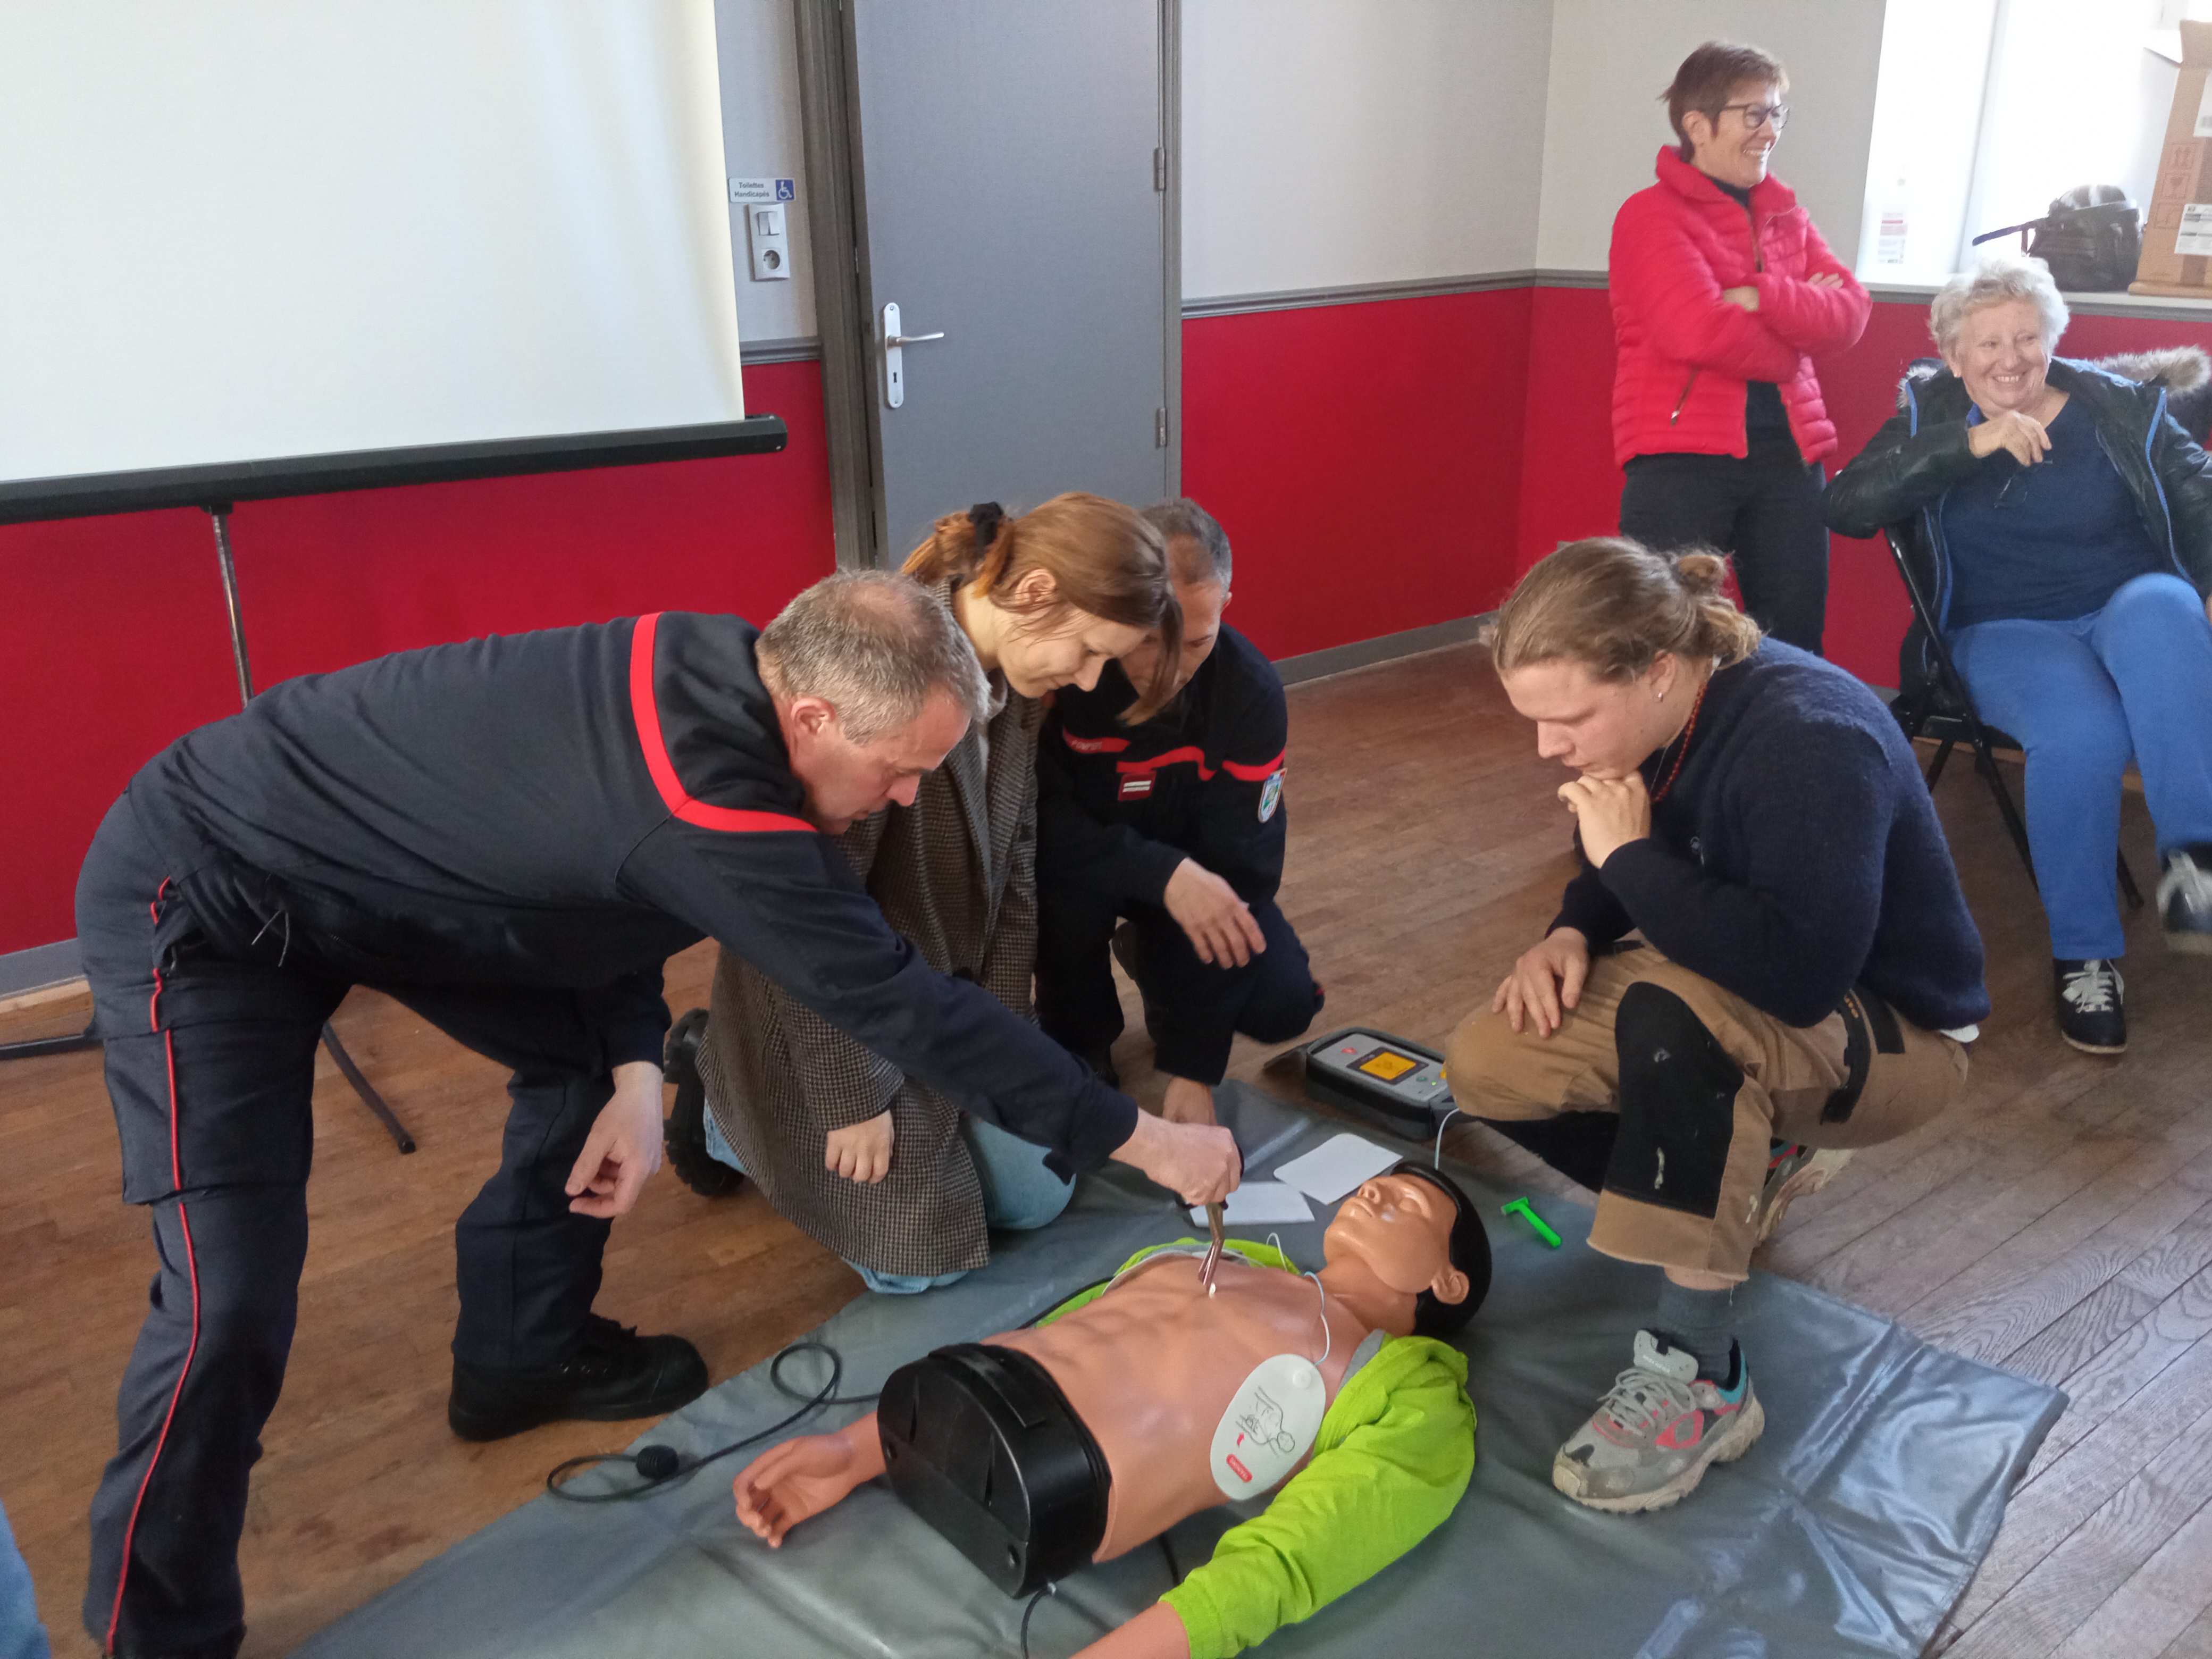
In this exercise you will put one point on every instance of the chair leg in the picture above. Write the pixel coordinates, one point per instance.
(1942, 757)
(1986, 765)
(2129, 890)
(34, 1048)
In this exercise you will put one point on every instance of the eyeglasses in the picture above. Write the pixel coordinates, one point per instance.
(1756, 116)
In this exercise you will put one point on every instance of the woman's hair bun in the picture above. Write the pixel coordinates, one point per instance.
(1701, 572)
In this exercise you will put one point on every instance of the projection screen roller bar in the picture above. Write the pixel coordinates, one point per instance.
(100, 493)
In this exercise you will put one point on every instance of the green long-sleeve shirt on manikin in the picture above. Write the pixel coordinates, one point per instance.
(1395, 1450)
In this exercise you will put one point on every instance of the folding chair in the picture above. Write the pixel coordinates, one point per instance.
(1941, 707)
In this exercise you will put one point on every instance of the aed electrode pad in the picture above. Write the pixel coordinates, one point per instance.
(1270, 1423)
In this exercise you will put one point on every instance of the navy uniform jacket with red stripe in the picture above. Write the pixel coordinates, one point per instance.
(1119, 806)
(566, 809)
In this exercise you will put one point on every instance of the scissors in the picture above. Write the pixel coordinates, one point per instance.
(1214, 1251)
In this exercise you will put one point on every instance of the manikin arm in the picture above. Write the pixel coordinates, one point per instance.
(786, 1483)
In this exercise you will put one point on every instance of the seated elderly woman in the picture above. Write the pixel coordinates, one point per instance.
(2062, 523)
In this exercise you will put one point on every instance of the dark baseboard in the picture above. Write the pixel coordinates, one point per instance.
(40, 966)
(1362, 654)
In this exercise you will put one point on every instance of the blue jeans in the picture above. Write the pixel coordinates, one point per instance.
(22, 1635)
(2133, 680)
(1020, 1194)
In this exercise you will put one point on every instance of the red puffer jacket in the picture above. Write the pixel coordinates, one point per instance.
(1685, 354)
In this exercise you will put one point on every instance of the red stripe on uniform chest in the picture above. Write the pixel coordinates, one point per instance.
(646, 714)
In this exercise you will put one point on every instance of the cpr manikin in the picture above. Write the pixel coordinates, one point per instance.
(1132, 1408)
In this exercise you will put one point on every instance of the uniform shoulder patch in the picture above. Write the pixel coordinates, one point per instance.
(1271, 796)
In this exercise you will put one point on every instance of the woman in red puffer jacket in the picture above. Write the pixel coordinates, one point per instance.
(1722, 290)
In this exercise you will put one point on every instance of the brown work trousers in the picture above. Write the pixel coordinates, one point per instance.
(1790, 1075)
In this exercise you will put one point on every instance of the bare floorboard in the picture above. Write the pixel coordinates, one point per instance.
(2059, 1222)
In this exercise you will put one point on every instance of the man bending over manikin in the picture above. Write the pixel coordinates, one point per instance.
(1332, 1389)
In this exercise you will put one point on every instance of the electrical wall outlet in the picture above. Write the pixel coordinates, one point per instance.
(765, 231)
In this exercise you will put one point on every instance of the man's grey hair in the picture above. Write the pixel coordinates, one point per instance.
(1184, 518)
(872, 644)
(2001, 276)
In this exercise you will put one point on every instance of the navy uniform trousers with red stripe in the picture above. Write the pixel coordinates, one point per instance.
(210, 1065)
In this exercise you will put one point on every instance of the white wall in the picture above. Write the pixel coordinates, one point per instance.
(758, 54)
(1331, 142)
(1612, 59)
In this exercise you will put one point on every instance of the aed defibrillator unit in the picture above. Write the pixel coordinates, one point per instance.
(1392, 1083)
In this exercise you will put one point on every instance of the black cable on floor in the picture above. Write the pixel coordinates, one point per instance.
(664, 1466)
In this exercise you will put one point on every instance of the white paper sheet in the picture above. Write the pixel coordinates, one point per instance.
(1336, 1166)
(1257, 1202)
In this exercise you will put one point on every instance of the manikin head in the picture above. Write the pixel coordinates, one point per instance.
(1996, 328)
(1604, 644)
(1726, 106)
(1413, 1229)
(873, 683)
(1050, 596)
(1198, 558)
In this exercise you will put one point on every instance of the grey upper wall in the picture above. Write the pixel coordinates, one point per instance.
(1604, 122)
(1331, 143)
(757, 44)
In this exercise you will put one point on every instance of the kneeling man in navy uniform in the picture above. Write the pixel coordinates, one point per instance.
(1166, 838)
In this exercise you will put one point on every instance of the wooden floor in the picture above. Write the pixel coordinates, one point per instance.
(2059, 1223)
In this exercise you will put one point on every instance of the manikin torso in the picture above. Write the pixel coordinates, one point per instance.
(1151, 1366)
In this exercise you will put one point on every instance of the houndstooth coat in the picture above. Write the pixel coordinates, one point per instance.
(955, 872)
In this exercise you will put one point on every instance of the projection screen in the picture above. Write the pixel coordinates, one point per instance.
(244, 229)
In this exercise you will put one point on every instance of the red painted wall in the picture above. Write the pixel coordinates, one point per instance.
(116, 641)
(1380, 467)
(1365, 459)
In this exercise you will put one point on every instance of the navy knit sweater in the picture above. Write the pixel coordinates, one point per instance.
(1797, 855)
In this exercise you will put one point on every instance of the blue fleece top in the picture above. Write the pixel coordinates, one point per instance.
(1797, 855)
(2047, 543)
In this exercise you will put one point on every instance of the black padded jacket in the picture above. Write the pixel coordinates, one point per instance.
(1897, 480)
(565, 810)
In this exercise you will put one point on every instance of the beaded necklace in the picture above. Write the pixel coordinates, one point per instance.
(1683, 753)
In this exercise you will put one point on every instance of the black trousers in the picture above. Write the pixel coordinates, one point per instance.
(210, 1067)
(1194, 1009)
(1764, 511)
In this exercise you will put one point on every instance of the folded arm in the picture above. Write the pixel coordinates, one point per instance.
(1660, 278)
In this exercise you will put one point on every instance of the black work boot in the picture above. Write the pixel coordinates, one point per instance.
(614, 1375)
(685, 1131)
(2184, 899)
(2091, 1011)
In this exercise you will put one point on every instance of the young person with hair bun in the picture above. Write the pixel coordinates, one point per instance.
(1807, 980)
(886, 1171)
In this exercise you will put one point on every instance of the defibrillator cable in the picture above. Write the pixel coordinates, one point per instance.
(664, 1466)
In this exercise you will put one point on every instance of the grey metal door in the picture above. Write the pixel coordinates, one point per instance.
(1010, 193)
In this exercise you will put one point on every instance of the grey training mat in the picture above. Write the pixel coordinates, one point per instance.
(1849, 1530)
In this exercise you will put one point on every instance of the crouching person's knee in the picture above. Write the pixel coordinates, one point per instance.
(1493, 1069)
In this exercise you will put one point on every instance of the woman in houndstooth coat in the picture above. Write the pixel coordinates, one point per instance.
(883, 1170)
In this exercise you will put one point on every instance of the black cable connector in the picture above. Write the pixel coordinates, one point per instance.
(659, 1466)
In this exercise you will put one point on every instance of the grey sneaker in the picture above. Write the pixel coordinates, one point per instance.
(1659, 1426)
(1792, 1171)
(2184, 899)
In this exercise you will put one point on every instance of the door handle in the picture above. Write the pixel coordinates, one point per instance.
(894, 359)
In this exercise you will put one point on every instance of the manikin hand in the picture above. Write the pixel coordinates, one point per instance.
(1187, 1102)
(786, 1483)
(1198, 1162)
(623, 1147)
(860, 1152)
(1610, 812)
(1547, 979)
(2025, 440)
(1220, 924)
